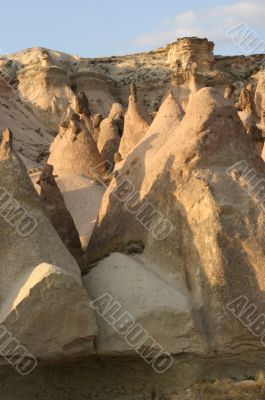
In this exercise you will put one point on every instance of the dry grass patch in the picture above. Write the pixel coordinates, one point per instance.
(227, 389)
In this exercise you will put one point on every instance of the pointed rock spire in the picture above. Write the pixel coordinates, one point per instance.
(136, 123)
(57, 212)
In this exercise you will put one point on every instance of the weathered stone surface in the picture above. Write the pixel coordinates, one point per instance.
(162, 127)
(46, 87)
(136, 123)
(74, 151)
(108, 139)
(228, 93)
(57, 212)
(82, 197)
(215, 250)
(164, 310)
(42, 301)
(110, 132)
(246, 102)
(185, 52)
(260, 92)
(80, 104)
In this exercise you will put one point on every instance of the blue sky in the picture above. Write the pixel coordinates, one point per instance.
(111, 27)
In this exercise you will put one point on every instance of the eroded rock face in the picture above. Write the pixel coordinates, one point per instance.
(247, 113)
(136, 123)
(74, 151)
(228, 93)
(162, 127)
(205, 227)
(110, 133)
(82, 197)
(80, 104)
(162, 309)
(47, 90)
(191, 53)
(57, 212)
(108, 140)
(260, 92)
(246, 101)
(97, 87)
(40, 283)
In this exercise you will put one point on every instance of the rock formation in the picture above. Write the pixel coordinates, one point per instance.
(40, 283)
(82, 197)
(74, 150)
(247, 113)
(57, 212)
(228, 93)
(80, 104)
(162, 127)
(46, 88)
(108, 140)
(136, 123)
(160, 308)
(260, 91)
(262, 113)
(178, 236)
(194, 196)
(187, 51)
(110, 132)
(246, 101)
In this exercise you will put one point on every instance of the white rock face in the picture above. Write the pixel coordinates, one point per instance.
(31, 137)
(157, 304)
(82, 197)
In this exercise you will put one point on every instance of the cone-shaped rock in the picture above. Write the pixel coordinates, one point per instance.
(202, 218)
(108, 140)
(136, 123)
(74, 150)
(42, 301)
(164, 125)
(110, 132)
(57, 212)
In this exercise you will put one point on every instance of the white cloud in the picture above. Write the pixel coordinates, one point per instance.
(212, 23)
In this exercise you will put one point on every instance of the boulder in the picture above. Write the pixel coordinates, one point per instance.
(42, 301)
(136, 123)
(163, 309)
(200, 218)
